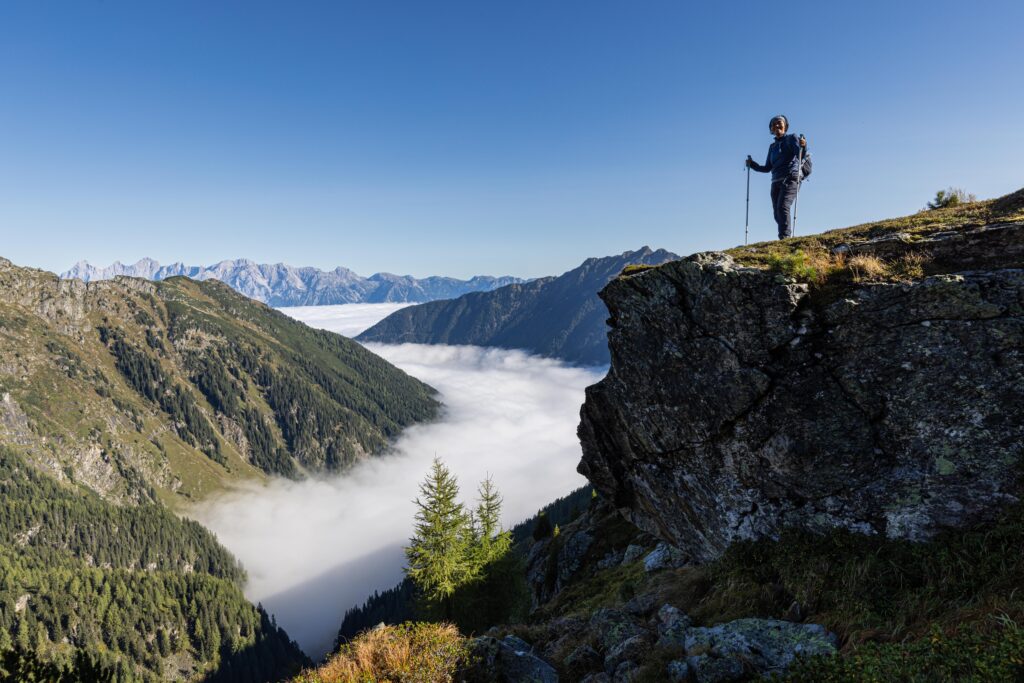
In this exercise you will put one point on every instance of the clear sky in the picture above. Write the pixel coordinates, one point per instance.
(457, 138)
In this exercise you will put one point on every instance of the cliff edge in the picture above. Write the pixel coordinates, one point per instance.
(870, 379)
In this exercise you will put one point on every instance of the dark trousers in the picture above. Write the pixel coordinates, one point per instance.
(783, 194)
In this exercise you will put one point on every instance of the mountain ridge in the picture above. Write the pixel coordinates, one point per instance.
(140, 388)
(556, 316)
(280, 284)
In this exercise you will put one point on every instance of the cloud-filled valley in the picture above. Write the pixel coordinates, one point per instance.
(317, 547)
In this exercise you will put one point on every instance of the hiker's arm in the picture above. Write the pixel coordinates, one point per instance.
(758, 167)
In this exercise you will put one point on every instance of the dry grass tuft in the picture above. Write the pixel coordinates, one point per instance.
(909, 266)
(410, 653)
(867, 267)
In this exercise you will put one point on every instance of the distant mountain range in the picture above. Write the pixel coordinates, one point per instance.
(560, 317)
(283, 285)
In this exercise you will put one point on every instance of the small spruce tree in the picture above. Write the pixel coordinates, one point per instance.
(492, 542)
(438, 556)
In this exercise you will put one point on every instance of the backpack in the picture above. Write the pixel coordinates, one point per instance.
(806, 166)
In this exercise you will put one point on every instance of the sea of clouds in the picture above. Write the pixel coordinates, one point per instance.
(317, 547)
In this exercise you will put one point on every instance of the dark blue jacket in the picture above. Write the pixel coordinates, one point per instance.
(783, 158)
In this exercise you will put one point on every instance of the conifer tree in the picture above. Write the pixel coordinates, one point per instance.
(438, 557)
(493, 543)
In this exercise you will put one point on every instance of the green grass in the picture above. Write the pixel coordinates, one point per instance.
(915, 226)
(983, 651)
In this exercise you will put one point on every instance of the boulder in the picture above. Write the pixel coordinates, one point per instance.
(762, 645)
(632, 649)
(632, 553)
(611, 627)
(677, 671)
(500, 661)
(672, 624)
(663, 556)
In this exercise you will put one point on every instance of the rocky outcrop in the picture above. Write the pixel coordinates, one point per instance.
(616, 644)
(737, 403)
(509, 660)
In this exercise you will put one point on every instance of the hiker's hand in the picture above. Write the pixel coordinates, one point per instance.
(803, 141)
(750, 162)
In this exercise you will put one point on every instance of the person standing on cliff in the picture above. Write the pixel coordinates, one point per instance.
(784, 156)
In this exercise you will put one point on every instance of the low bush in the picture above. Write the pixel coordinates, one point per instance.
(951, 196)
(410, 653)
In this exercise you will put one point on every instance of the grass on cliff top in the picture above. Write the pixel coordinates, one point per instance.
(410, 652)
(1002, 209)
(811, 258)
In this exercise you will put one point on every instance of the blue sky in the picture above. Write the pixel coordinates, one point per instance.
(459, 138)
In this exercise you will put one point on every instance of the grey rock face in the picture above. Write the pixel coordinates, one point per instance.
(630, 650)
(613, 627)
(571, 553)
(764, 645)
(505, 662)
(663, 556)
(735, 406)
(672, 624)
(678, 671)
(632, 554)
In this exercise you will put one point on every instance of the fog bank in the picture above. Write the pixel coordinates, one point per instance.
(317, 547)
(346, 319)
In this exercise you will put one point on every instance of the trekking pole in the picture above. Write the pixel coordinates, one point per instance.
(746, 226)
(799, 180)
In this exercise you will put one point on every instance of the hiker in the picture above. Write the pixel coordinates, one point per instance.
(784, 163)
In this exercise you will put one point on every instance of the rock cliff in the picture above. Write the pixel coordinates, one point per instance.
(871, 379)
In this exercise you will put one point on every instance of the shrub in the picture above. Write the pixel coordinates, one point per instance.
(909, 266)
(951, 196)
(410, 653)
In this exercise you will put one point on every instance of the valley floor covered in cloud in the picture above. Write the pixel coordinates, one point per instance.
(317, 547)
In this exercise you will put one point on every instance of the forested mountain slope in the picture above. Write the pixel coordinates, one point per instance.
(117, 397)
(134, 591)
(132, 387)
(560, 317)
